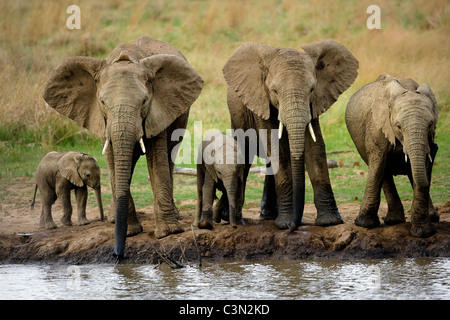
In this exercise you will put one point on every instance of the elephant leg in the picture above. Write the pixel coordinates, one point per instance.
(434, 215)
(269, 203)
(208, 192)
(48, 197)
(368, 212)
(64, 196)
(284, 194)
(316, 164)
(200, 182)
(396, 213)
(81, 195)
(166, 221)
(221, 209)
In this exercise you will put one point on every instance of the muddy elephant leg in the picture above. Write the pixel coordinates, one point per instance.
(48, 197)
(284, 194)
(81, 195)
(396, 213)
(316, 164)
(208, 192)
(166, 220)
(64, 196)
(221, 209)
(368, 212)
(269, 202)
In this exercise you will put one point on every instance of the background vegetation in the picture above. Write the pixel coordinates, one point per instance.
(414, 42)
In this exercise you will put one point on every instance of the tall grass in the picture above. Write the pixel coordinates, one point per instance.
(414, 42)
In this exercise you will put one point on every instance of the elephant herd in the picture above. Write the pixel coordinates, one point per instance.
(135, 98)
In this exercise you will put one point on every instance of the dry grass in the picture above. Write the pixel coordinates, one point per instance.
(414, 42)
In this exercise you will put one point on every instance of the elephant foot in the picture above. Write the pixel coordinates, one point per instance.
(267, 214)
(47, 224)
(134, 229)
(283, 221)
(66, 222)
(205, 224)
(163, 228)
(329, 218)
(422, 230)
(83, 221)
(269, 211)
(367, 221)
(394, 217)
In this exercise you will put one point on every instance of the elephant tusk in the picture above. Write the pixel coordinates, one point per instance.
(429, 157)
(311, 131)
(105, 147)
(406, 157)
(280, 130)
(141, 143)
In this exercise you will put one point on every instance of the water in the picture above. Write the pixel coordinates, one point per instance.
(419, 278)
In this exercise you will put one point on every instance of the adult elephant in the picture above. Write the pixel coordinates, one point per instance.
(134, 99)
(392, 122)
(271, 88)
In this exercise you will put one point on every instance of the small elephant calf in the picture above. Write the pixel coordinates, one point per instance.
(57, 174)
(218, 168)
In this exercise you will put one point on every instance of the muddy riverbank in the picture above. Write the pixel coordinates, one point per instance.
(257, 240)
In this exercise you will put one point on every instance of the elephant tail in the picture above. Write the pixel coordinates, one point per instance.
(34, 197)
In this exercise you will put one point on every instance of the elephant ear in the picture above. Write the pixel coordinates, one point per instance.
(68, 168)
(71, 90)
(176, 85)
(388, 90)
(245, 73)
(426, 90)
(336, 69)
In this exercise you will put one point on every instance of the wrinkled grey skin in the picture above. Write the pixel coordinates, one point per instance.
(267, 85)
(392, 122)
(133, 100)
(56, 175)
(218, 168)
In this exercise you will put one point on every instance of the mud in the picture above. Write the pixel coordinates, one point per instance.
(21, 241)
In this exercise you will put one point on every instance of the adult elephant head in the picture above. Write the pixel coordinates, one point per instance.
(128, 99)
(301, 85)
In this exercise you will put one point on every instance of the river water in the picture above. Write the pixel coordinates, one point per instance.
(418, 278)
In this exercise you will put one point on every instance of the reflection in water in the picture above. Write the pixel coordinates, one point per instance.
(421, 278)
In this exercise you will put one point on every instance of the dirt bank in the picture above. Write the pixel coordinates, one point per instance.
(21, 241)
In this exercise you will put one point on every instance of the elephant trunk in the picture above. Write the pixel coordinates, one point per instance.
(417, 150)
(296, 116)
(125, 132)
(98, 195)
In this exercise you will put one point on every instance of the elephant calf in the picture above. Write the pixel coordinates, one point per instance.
(392, 122)
(57, 174)
(218, 167)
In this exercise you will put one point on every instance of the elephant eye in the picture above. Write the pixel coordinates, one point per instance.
(398, 126)
(103, 102)
(88, 175)
(274, 91)
(144, 101)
